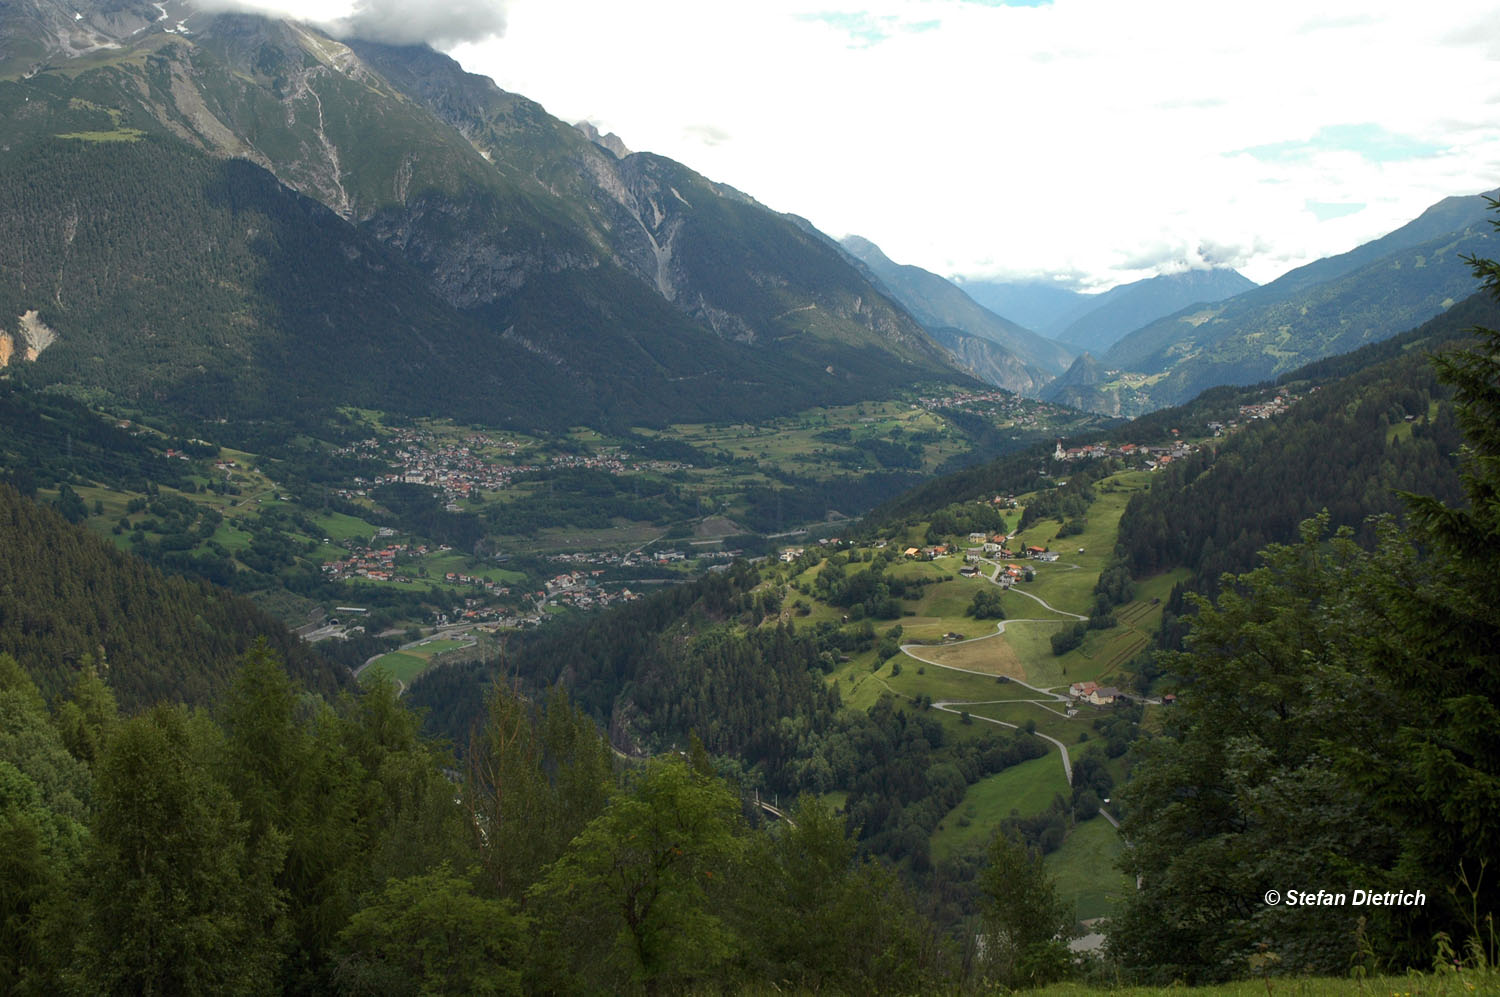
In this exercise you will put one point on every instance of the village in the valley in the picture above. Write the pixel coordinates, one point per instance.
(476, 464)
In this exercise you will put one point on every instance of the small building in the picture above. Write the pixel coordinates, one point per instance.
(1104, 695)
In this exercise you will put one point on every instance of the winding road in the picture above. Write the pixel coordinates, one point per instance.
(948, 706)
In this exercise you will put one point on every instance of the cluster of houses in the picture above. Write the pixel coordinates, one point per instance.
(581, 590)
(1266, 409)
(1151, 457)
(1094, 693)
(458, 470)
(476, 581)
(995, 546)
(375, 563)
(1022, 411)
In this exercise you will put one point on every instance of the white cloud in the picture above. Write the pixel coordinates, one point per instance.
(410, 22)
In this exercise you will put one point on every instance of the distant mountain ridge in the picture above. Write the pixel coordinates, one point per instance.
(1121, 310)
(1327, 307)
(1040, 305)
(939, 304)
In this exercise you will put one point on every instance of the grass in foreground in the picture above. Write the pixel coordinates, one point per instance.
(1473, 983)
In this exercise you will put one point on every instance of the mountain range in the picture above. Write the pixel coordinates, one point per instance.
(1024, 361)
(225, 215)
(244, 216)
(1327, 307)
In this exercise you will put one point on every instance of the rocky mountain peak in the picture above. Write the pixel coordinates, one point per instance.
(608, 141)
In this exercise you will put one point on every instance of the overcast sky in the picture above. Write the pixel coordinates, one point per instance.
(1092, 141)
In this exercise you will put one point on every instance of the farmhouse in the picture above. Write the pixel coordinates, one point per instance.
(1103, 695)
(1078, 690)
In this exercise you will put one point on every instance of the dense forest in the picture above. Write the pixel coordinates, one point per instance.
(284, 842)
(70, 602)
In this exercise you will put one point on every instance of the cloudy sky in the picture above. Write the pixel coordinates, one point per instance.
(1090, 141)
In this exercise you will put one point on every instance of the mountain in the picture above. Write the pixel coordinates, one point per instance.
(938, 304)
(1094, 322)
(1039, 305)
(991, 362)
(1327, 307)
(1089, 386)
(454, 249)
(1121, 310)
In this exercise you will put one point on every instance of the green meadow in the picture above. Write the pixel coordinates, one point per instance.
(409, 662)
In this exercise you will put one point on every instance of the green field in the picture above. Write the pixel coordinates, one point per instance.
(1023, 790)
(409, 662)
(436, 567)
(796, 443)
(1085, 869)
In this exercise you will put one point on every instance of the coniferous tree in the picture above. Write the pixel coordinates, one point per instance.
(176, 900)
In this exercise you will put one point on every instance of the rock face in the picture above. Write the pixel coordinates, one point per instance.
(31, 339)
(38, 33)
(746, 273)
(993, 363)
(610, 141)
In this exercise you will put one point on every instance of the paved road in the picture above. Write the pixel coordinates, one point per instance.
(1067, 764)
(947, 706)
(912, 649)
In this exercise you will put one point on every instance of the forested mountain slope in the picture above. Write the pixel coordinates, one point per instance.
(69, 600)
(1369, 426)
(1335, 714)
(1328, 307)
(940, 305)
(1121, 310)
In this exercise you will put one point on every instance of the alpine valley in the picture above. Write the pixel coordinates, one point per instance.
(445, 551)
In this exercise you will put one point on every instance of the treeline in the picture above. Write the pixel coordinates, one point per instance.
(70, 601)
(1068, 501)
(903, 773)
(587, 497)
(1336, 726)
(771, 509)
(285, 843)
(1009, 475)
(49, 438)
